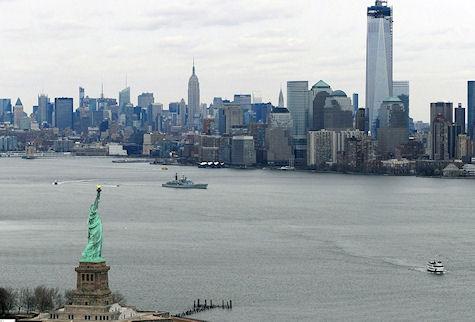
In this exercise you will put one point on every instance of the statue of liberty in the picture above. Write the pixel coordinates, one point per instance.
(93, 251)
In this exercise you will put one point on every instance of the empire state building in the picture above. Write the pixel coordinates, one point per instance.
(193, 118)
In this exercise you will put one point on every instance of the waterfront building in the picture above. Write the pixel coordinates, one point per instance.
(209, 148)
(193, 121)
(441, 118)
(243, 151)
(279, 145)
(320, 150)
(297, 103)
(471, 109)
(357, 155)
(454, 131)
(440, 138)
(258, 132)
(460, 117)
(379, 58)
(463, 150)
(393, 127)
(225, 149)
(279, 137)
(63, 113)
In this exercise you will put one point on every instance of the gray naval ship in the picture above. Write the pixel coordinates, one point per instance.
(184, 183)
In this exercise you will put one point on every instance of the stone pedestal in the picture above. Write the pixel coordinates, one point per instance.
(92, 285)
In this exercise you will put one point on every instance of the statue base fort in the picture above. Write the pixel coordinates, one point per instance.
(92, 301)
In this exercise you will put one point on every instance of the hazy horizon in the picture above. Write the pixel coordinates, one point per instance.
(242, 46)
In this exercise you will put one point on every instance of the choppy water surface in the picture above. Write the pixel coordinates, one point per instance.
(282, 245)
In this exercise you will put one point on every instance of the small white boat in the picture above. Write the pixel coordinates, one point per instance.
(287, 168)
(435, 267)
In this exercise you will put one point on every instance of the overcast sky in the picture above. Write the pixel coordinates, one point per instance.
(240, 46)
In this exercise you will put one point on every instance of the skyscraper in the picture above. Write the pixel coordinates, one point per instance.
(355, 104)
(442, 108)
(193, 100)
(182, 112)
(124, 99)
(441, 116)
(440, 138)
(393, 124)
(317, 96)
(471, 108)
(460, 117)
(17, 113)
(63, 112)
(5, 109)
(379, 58)
(297, 103)
(43, 110)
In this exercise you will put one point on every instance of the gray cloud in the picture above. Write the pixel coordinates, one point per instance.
(239, 45)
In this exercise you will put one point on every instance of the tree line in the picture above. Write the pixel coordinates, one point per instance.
(39, 299)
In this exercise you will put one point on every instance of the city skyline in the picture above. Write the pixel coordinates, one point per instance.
(156, 54)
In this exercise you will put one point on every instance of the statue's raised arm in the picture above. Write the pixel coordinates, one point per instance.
(93, 251)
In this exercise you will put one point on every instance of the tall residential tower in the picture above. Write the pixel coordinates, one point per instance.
(379, 58)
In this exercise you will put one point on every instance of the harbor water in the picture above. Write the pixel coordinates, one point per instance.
(283, 246)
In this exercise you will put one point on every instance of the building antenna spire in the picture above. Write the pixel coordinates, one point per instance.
(102, 89)
(193, 65)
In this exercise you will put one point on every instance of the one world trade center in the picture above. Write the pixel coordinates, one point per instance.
(379, 59)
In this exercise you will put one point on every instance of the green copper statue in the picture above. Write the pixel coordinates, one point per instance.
(93, 251)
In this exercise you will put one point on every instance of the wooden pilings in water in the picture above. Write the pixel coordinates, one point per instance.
(200, 307)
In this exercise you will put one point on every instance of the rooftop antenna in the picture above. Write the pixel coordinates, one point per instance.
(102, 89)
